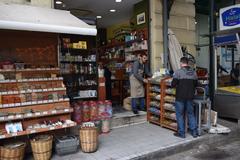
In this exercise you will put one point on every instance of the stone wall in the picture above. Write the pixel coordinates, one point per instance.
(182, 22)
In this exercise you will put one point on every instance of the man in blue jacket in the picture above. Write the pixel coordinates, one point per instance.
(185, 81)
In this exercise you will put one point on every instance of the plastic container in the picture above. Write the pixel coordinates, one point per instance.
(77, 114)
(101, 109)
(108, 108)
(66, 145)
(85, 112)
(106, 125)
(93, 110)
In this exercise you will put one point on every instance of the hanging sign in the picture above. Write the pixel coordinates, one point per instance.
(230, 17)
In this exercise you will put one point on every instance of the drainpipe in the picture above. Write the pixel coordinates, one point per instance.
(165, 33)
(212, 28)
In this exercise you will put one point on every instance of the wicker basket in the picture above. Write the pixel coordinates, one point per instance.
(12, 153)
(42, 147)
(89, 139)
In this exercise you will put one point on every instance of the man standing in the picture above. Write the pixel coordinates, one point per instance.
(138, 77)
(235, 72)
(185, 81)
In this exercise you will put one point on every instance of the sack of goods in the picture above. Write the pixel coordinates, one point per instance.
(14, 151)
(88, 137)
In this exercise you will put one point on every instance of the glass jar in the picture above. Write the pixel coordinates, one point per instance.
(108, 108)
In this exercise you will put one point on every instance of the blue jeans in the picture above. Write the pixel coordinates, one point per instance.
(134, 103)
(182, 107)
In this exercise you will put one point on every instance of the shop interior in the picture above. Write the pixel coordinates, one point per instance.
(122, 35)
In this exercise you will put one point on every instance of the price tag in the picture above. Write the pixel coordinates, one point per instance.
(61, 99)
(38, 114)
(45, 101)
(14, 134)
(11, 105)
(72, 124)
(10, 92)
(4, 92)
(2, 118)
(2, 136)
(19, 116)
(45, 112)
(66, 110)
(34, 102)
(33, 131)
(45, 90)
(54, 112)
(51, 128)
(15, 92)
(10, 117)
(64, 126)
(29, 114)
(17, 104)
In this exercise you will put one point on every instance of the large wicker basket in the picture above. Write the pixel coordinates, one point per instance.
(89, 139)
(12, 153)
(42, 147)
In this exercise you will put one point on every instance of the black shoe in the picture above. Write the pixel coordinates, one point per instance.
(135, 112)
(178, 135)
(194, 134)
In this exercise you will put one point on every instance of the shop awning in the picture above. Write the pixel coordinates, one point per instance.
(30, 18)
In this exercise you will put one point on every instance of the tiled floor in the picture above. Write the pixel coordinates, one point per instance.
(129, 142)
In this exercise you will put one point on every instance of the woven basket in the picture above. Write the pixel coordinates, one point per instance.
(12, 153)
(42, 147)
(89, 139)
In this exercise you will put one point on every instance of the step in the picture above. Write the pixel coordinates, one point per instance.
(127, 118)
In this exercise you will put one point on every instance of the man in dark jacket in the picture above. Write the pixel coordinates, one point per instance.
(185, 81)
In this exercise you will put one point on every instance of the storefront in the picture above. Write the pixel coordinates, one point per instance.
(227, 60)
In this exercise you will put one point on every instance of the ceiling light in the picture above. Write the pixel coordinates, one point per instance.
(118, 1)
(58, 2)
(98, 17)
(112, 10)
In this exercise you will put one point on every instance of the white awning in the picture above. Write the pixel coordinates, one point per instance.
(30, 18)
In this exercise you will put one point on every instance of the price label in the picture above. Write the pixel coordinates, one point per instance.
(2, 118)
(45, 112)
(64, 126)
(10, 117)
(66, 110)
(45, 90)
(4, 92)
(52, 128)
(72, 124)
(34, 102)
(33, 131)
(10, 92)
(2, 136)
(19, 116)
(45, 101)
(54, 112)
(29, 114)
(38, 114)
(14, 134)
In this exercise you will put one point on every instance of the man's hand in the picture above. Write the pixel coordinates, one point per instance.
(145, 80)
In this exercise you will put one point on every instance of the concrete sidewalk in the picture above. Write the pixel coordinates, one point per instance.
(144, 141)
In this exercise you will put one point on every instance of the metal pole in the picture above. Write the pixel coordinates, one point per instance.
(211, 50)
(165, 33)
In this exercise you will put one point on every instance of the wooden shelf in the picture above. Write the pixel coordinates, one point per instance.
(155, 122)
(35, 115)
(33, 131)
(84, 97)
(32, 80)
(32, 103)
(169, 127)
(78, 62)
(33, 91)
(30, 70)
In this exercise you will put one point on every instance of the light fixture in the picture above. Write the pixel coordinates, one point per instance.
(99, 17)
(58, 2)
(112, 10)
(118, 1)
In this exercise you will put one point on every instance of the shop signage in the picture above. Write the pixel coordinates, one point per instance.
(230, 17)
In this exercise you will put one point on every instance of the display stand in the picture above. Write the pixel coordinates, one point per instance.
(34, 103)
(160, 104)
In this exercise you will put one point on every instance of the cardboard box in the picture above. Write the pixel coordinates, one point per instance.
(213, 117)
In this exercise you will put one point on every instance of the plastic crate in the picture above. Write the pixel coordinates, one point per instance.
(66, 145)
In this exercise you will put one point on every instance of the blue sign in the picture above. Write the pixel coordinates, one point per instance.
(231, 17)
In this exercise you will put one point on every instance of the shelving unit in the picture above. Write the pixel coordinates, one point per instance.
(79, 65)
(33, 102)
(161, 96)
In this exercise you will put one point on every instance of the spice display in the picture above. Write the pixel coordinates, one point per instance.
(169, 106)
(170, 99)
(154, 110)
(93, 110)
(86, 112)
